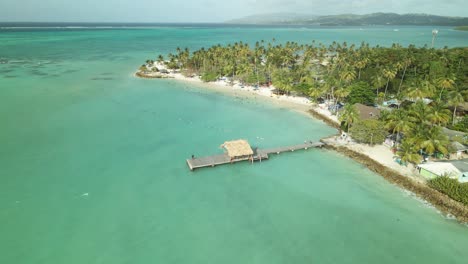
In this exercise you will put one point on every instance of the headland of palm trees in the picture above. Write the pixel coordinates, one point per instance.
(419, 91)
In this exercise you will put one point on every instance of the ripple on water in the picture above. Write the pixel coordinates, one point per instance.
(102, 79)
(38, 73)
(6, 71)
(69, 71)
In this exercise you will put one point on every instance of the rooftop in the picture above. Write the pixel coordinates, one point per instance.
(441, 168)
(461, 165)
(237, 148)
(367, 112)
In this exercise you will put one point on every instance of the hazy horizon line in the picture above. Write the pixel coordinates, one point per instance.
(223, 22)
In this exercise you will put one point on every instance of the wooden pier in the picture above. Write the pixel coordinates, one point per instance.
(258, 155)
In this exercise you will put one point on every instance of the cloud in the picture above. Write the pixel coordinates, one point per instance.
(208, 10)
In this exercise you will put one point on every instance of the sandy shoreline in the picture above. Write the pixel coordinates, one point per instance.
(377, 158)
(298, 104)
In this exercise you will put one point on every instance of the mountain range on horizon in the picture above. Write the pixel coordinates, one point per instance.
(351, 19)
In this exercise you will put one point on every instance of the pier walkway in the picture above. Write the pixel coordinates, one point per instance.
(259, 155)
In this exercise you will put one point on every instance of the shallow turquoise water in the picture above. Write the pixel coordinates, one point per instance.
(93, 163)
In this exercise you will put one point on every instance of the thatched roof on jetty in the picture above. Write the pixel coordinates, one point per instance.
(237, 148)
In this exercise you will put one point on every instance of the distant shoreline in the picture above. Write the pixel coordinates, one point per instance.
(461, 28)
(295, 103)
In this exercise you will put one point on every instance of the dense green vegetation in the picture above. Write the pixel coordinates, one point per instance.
(428, 85)
(451, 187)
(369, 131)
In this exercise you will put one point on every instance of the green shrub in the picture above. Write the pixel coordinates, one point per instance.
(369, 131)
(461, 125)
(209, 76)
(451, 187)
(361, 93)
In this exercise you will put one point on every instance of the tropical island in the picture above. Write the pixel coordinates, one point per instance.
(351, 19)
(400, 110)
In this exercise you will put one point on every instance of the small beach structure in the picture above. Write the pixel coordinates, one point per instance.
(367, 112)
(456, 169)
(240, 150)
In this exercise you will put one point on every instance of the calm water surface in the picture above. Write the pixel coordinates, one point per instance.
(93, 162)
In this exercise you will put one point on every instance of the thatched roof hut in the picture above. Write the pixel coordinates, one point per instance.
(367, 112)
(237, 148)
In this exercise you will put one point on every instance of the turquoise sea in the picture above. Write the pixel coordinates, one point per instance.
(93, 161)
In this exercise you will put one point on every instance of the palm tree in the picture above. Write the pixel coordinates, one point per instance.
(439, 114)
(160, 58)
(377, 82)
(406, 62)
(446, 83)
(317, 90)
(419, 112)
(398, 122)
(408, 153)
(361, 64)
(342, 93)
(456, 98)
(349, 115)
(388, 73)
(435, 141)
(419, 90)
(348, 74)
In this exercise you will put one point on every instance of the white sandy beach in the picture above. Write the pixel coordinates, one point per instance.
(380, 153)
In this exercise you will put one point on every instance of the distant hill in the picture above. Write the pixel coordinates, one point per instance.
(355, 20)
(273, 18)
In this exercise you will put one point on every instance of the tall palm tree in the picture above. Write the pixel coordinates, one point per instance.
(456, 97)
(406, 62)
(419, 112)
(348, 74)
(388, 73)
(435, 141)
(349, 115)
(398, 121)
(408, 152)
(446, 83)
(378, 82)
(439, 114)
(160, 58)
(418, 90)
(342, 93)
(361, 64)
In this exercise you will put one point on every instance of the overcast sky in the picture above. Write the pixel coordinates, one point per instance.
(207, 10)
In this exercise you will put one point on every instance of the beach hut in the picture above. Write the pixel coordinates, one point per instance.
(437, 169)
(238, 149)
(367, 112)
(457, 150)
(462, 166)
(455, 169)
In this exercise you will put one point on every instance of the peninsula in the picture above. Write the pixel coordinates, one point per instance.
(398, 108)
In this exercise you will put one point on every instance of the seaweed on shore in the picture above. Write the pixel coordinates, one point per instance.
(324, 118)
